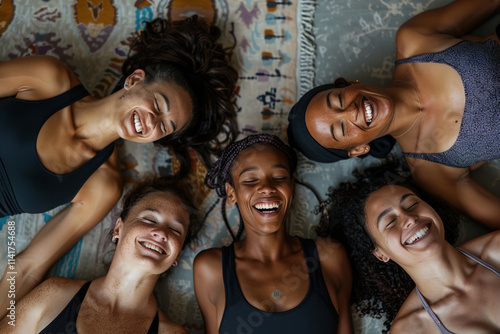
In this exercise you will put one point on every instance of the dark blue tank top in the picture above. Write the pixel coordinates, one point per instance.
(65, 322)
(478, 64)
(25, 184)
(315, 314)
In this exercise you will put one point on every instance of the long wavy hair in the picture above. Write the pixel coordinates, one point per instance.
(378, 287)
(188, 54)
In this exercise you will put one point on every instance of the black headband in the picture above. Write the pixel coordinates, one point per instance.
(300, 138)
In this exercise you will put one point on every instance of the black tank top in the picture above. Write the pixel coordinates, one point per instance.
(25, 184)
(65, 322)
(315, 314)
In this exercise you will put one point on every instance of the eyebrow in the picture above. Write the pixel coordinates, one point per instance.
(249, 169)
(388, 210)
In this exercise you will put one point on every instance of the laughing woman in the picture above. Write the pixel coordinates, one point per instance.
(396, 244)
(57, 141)
(441, 106)
(149, 235)
(269, 282)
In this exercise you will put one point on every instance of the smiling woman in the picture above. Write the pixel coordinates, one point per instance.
(58, 140)
(156, 221)
(396, 241)
(440, 106)
(269, 281)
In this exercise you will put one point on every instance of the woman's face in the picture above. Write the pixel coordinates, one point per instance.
(263, 188)
(345, 118)
(405, 228)
(153, 110)
(154, 231)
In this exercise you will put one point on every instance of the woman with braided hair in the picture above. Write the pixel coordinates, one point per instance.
(269, 281)
(404, 264)
(57, 141)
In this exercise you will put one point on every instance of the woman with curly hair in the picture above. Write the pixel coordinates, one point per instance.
(197, 62)
(57, 141)
(441, 106)
(403, 264)
(269, 282)
(156, 221)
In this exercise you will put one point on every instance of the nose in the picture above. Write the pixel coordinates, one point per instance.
(408, 220)
(158, 234)
(267, 187)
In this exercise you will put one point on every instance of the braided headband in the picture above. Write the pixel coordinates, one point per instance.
(217, 176)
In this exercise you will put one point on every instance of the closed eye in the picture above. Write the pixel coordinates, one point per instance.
(150, 220)
(412, 206)
(175, 230)
(340, 101)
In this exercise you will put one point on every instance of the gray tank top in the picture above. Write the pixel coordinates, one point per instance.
(478, 64)
(434, 317)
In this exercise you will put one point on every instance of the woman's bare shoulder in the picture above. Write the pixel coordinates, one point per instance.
(486, 247)
(168, 326)
(412, 317)
(36, 77)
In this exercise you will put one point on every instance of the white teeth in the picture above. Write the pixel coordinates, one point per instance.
(417, 235)
(137, 123)
(153, 247)
(267, 206)
(368, 112)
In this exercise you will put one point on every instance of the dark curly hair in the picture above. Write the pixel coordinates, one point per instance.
(221, 171)
(187, 53)
(378, 287)
(168, 186)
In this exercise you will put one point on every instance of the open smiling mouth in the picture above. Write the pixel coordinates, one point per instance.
(368, 109)
(418, 235)
(268, 207)
(152, 247)
(137, 124)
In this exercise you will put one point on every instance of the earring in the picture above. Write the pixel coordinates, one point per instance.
(114, 239)
(174, 264)
(126, 84)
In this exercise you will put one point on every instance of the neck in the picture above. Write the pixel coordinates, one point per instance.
(127, 288)
(408, 109)
(95, 121)
(267, 248)
(440, 274)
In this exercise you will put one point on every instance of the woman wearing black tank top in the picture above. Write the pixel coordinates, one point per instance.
(396, 241)
(156, 221)
(269, 281)
(177, 91)
(441, 106)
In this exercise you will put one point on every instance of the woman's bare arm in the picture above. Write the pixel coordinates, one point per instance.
(338, 278)
(456, 187)
(209, 287)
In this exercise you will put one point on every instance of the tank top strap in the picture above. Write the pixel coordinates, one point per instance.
(478, 260)
(153, 329)
(316, 281)
(68, 316)
(231, 286)
(61, 101)
(434, 317)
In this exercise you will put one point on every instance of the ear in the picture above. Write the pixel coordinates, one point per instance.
(358, 150)
(118, 227)
(231, 195)
(380, 255)
(136, 77)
